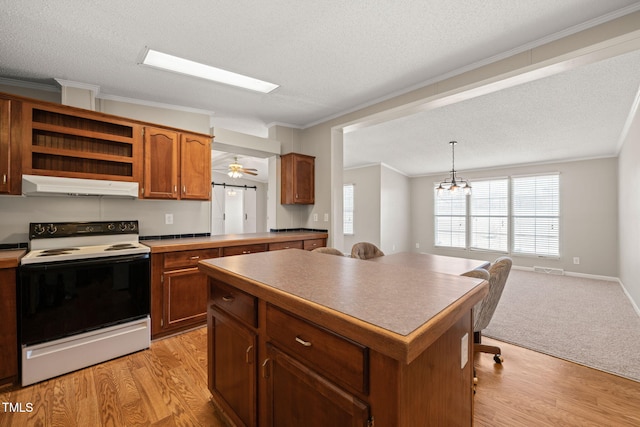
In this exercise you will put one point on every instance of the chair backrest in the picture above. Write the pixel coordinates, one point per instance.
(479, 273)
(330, 251)
(365, 250)
(498, 273)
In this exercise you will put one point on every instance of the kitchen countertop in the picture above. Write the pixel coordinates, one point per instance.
(10, 258)
(224, 240)
(394, 309)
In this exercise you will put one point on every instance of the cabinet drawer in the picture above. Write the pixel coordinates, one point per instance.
(313, 243)
(188, 258)
(296, 244)
(245, 249)
(336, 357)
(234, 302)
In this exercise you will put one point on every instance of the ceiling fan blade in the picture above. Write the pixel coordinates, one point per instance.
(250, 169)
(250, 173)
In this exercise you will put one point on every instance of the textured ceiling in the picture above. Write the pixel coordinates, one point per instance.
(328, 57)
(573, 115)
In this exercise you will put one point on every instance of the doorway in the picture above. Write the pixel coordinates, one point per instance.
(233, 209)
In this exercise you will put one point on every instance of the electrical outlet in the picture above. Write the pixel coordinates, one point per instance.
(576, 260)
(464, 350)
(326, 217)
(168, 219)
(315, 217)
(417, 245)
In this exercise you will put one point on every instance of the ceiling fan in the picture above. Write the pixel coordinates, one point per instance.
(235, 170)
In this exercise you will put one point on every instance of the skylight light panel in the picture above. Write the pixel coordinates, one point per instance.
(167, 62)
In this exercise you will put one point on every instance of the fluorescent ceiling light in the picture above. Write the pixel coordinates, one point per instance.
(176, 64)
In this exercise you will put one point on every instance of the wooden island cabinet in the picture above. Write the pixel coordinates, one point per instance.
(9, 261)
(301, 338)
(179, 289)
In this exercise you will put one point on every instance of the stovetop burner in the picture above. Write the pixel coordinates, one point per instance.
(54, 242)
(57, 251)
(120, 246)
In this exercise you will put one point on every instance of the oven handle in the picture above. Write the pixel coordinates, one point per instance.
(85, 262)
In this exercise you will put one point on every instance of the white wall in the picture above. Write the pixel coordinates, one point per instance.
(629, 211)
(189, 217)
(395, 211)
(381, 208)
(588, 216)
(366, 208)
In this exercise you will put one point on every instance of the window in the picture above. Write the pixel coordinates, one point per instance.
(451, 219)
(536, 209)
(490, 215)
(525, 220)
(347, 206)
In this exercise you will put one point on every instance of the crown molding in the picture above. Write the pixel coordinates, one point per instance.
(29, 85)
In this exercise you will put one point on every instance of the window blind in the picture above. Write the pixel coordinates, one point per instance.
(490, 215)
(450, 219)
(347, 206)
(535, 212)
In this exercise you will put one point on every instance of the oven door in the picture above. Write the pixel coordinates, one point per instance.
(64, 298)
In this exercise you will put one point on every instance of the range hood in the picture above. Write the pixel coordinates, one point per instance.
(39, 185)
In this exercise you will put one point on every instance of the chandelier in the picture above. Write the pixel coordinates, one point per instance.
(454, 183)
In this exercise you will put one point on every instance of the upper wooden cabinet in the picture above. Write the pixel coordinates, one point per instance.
(71, 142)
(44, 138)
(195, 167)
(5, 138)
(161, 150)
(297, 179)
(176, 165)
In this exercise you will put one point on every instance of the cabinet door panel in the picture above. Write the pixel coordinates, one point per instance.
(185, 297)
(303, 185)
(297, 179)
(5, 137)
(297, 396)
(195, 167)
(8, 326)
(160, 163)
(233, 373)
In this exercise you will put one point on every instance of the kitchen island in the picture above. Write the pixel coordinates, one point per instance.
(302, 338)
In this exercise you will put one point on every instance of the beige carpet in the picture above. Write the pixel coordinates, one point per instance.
(590, 322)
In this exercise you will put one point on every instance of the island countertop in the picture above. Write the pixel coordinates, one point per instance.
(395, 309)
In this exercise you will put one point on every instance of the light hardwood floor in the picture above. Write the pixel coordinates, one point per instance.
(167, 386)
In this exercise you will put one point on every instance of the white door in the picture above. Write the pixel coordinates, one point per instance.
(250, 211)
(234, 211)
(218, 210)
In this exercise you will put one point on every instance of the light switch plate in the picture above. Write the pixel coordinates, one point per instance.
(168, 219)
(464, 351)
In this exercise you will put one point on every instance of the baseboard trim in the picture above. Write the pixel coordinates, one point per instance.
(633, 304)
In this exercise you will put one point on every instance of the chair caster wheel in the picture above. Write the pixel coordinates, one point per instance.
(498, 359)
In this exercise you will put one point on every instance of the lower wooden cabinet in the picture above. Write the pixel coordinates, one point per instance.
(263, 371)
(184, 298)
(8, 326)
(298, 396)
(178, 291)
(232, 367)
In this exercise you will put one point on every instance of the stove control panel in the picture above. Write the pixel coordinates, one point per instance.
(47, 230)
